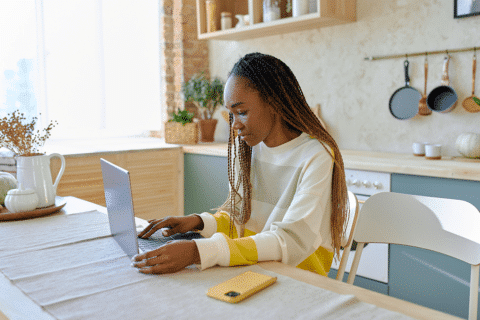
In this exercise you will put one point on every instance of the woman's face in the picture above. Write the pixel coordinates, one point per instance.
(252, 117)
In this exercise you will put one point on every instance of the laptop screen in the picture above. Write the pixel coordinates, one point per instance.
(118, 197)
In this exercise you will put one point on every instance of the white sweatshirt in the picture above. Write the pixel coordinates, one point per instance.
(291, 206)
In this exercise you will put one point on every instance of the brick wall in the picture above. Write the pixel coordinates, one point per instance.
(181, 53)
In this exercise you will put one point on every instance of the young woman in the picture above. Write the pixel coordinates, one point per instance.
(288, 199)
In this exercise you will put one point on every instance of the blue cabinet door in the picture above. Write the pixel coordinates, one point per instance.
(425, 277)
(205, 183)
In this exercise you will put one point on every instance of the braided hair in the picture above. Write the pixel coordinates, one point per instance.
(279, 88)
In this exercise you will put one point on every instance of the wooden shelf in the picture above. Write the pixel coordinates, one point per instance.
(332, 12)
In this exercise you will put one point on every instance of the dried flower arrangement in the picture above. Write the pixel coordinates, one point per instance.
(20, 136)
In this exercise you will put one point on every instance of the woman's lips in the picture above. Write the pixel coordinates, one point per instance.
(243, 136)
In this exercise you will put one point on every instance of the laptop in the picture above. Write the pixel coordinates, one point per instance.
(121, 214)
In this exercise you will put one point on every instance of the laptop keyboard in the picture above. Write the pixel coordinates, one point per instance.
(156, 241)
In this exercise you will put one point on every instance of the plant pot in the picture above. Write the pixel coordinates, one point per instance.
(176, 133)
(207, 130)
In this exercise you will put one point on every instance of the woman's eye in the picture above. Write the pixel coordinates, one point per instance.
(242, 113)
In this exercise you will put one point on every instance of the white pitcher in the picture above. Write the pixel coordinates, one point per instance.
(34, 173)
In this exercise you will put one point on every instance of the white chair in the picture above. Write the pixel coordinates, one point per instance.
(348, 237)
(450, 227)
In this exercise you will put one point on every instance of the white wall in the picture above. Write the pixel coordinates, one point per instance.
(354, 93)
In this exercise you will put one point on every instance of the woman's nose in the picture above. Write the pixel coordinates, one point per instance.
(236, 123)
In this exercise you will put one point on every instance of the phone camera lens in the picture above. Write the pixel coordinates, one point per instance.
(232, 294)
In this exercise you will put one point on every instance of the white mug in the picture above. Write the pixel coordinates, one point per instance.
(433, 151)
(418, 149)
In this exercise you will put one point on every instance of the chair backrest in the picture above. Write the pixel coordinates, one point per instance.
(447, 226)
(349, 232)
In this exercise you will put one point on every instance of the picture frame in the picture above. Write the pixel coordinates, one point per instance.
(465, 8)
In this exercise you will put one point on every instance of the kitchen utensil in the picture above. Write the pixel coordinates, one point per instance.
(443, 98)
(423, 109)
(469, 104)
(404, 101)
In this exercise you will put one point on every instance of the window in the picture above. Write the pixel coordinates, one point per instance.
(91, 65)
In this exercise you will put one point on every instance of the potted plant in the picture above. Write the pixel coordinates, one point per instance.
(206, 95)
(181, 129)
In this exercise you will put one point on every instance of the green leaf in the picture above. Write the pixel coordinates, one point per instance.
(203, 93)
(477, 101)
(182, 117)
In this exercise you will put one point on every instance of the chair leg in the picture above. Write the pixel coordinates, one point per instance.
(473, 303)
(343, 263)
(356, 261)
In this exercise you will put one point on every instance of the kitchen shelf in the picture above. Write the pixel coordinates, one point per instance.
(331, 12)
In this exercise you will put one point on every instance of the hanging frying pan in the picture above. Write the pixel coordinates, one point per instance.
(404, 102)
(443, 98)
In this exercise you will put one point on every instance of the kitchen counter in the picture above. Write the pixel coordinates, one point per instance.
(447, 167)
(82, 147)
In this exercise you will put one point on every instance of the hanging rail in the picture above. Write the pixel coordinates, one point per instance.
(406, 55)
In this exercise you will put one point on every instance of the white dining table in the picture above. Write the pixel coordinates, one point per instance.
(67, 266)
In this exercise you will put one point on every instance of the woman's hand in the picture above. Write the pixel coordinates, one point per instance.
(174, 225)
(172, 257)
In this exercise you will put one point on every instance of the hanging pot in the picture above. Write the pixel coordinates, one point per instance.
(443, 98)
(404, 101)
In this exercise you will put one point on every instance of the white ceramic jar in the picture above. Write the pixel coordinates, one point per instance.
(300, 7)
(21, 200)
(226, 20)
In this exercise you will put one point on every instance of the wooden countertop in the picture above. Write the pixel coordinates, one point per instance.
(81, 147)
(447, 167)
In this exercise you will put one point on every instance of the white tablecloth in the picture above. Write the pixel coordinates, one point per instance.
(73, 269)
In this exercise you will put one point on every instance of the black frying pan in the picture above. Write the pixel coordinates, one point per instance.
(404, 102)
(443, 98)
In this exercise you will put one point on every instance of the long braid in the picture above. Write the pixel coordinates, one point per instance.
(278, 86)
(245, 155)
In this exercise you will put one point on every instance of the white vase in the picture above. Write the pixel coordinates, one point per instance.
(34, 173)
(300, 7)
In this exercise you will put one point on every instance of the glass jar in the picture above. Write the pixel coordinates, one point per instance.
(211, 6)
(271, 10)
(226, 20)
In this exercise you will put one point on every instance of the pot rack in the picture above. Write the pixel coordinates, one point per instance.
(425, 53)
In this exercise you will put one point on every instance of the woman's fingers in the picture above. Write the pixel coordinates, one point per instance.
(172, 257)
(156, 225)
(148, 228)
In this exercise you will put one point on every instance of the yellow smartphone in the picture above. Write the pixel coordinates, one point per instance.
(240, 287)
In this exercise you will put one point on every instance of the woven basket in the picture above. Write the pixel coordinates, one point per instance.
(177, 133)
